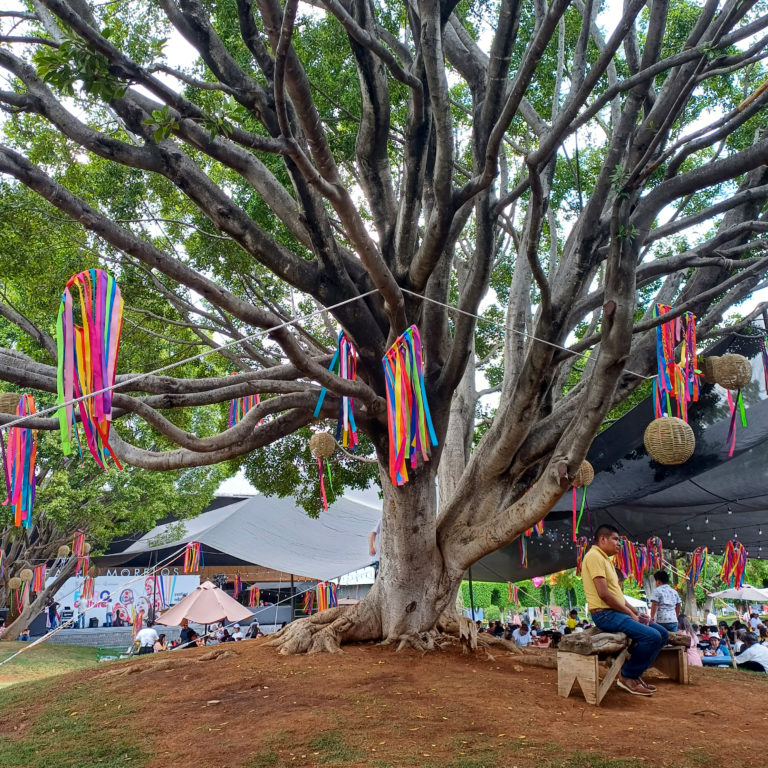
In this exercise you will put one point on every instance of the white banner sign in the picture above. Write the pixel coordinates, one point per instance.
(123, 597)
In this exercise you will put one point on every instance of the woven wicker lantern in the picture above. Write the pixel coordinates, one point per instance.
(669, 440)
(732, 371)
(14, 582)
(322, 445)
(707, 368)
(63, 551)
(26, 574)
(9, 402)
(86, 548)
(585, 474)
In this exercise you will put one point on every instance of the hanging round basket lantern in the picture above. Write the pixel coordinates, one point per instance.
(584, 476)
(9, 402)
(669, 440)
(322, 445)
(732, 371)
(14, 582)
(63, 551)
(86, 548)
(26, 574)
(707, 368)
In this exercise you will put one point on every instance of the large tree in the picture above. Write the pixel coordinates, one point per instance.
(549, 168)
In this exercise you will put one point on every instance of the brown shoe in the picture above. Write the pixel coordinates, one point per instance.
(651, 688)
(635, 687)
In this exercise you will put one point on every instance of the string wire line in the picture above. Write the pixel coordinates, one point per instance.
(199, 356)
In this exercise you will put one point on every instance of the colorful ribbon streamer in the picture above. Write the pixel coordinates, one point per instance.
(87, 590)
(676, 380)
(87, 360)
(512, 593)
(254, 595)
(238, 588)
(344, 365)
(19, 466)
(240, 406)
(38, 580)
(698, 566)
(409, 421)
(576, 517)
(734, 564)
(326, 595)
(655, 554)
(582, 545)
(324, 470)
(731, 439)
(193, 557)
(309, 601)
(78, 550)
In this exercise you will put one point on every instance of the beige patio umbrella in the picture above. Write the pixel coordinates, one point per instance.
(206, 605)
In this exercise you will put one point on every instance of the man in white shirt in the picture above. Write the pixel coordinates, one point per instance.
(521, 635)
(711, 619)
(146, 638)
(754, 656)
(754, 621)
(238, 633)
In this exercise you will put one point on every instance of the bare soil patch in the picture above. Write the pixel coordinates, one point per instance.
(373, 707)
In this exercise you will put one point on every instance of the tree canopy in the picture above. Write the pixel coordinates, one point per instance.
(521, 180)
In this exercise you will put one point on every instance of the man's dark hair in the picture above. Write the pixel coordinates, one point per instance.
(604, 530)
(573, 612)
(662, 577)
(750, 638)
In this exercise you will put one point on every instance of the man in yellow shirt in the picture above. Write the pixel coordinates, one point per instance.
(612, 613)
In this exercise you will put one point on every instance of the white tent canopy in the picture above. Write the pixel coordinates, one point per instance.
(274, 533)
(746, 593)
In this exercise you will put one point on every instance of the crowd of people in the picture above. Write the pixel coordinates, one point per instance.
(147, 640)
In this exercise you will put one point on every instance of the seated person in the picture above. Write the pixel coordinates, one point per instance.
(573, 619)
(522, 635)
(716, 648)
(24, 636)
(754, 656)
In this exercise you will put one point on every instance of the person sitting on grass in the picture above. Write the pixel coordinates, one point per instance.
(754, 656)
(716, 648)
(612, 613)
(24, 636)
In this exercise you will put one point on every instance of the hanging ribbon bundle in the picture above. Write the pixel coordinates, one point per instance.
(87, 590)
(582, 545)
(678, 380)
(577, 515)
(254, 595)
(309, 601)
(523, 552)
(738, 405)
(38, 580)
(238, 587)
(87, 360)
(734, 564)
(626, 558)
(698, 565)
(410, 425)
(21, 596)
(138, 621)
(193, 557)
(78, 550)
(344, 365)
(538, 529)
(512, 593)
(240, 406)
(321, 589)
(655, 554)
(162, 583)
(2, 563)
(19, 465)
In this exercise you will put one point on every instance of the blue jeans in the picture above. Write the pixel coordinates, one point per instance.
(670, 626)
(649, 640)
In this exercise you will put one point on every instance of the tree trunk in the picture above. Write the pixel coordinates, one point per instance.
(691, 607)
(33, 607)
(413, 588)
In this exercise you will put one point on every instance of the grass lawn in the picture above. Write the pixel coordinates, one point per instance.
(42, 661)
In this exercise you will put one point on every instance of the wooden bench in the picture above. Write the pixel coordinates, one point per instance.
(578, 660)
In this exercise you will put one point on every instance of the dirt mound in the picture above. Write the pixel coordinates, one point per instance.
(369, 706)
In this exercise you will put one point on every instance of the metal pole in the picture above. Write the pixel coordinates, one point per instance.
(471, 595)
(293, 599)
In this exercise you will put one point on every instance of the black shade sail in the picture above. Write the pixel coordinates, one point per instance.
(705, 502)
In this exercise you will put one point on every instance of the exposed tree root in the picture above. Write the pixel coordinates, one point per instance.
(322, 632)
